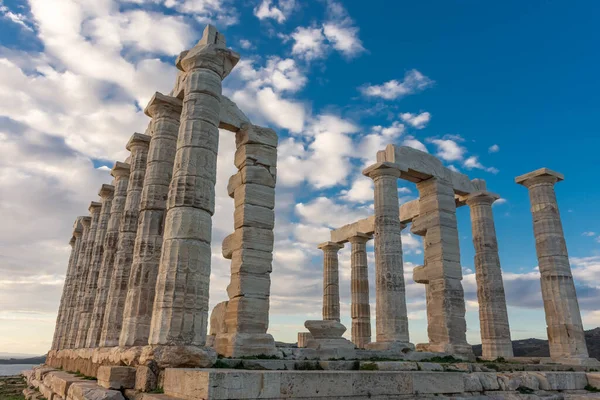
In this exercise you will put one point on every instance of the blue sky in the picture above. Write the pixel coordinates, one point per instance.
(495, 89)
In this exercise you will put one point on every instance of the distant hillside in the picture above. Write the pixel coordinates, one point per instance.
(30, 360)
(539, 347)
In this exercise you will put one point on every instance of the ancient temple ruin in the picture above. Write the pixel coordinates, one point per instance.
(134, 311)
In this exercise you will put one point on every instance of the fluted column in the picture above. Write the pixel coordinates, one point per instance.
(137, 315)
(493, 317)
(117, 292)
(391, 314)
(106, 194)
(565, 329)
(331, 281)
(181, 301)
(83, 262)
(359, 288)
(446, 309)
(120, 172)
(75, 244)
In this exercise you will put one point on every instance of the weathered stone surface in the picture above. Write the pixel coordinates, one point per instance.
(331, 285)
(252, 134)
(91, 391)
(327, 339)
(359, 288)
(303, 338)
(112, 377)
(231, 117)
(327, 329)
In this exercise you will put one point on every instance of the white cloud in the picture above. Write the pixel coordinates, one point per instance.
(413, 82)
(222, 13)
(473, 162)
(410, 141)
(377, 140)
(309, 43)
(588, 234)
(494, 148)
(246, 44)
(360, 192)
(17, 18)
(418, 121)
(500, 201)
(448, 149)
(279, 12)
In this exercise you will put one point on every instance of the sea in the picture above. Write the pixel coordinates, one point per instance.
(14, 369)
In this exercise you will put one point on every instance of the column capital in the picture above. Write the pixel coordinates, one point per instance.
(330, 246)
(138, 139)
(106, 191)
(163, 105)
(479, 197)
(210, 53)
(72, 241)
(382, 168)
(360, 238)
(542, 175)
(86, 221)
(120, 169)
(94, 207)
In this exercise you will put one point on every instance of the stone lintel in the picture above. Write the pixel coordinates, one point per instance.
(106, 190)
(231, 117)
(480, 194)
(330, 246)
(95, 206)
(360, 237)
(161, 100)
(138, 139)
(539, 172)
(383, 168)
(120, 169)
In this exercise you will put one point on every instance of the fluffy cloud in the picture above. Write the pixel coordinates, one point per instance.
(279, 11)
(309, 43)
(473, 162)
(418, 121)
(448, 149)
(494, 148)
(15, 17)
(413, 82)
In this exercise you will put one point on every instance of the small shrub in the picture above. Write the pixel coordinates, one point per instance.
(500, 360)
(492, 366)
(524, 390)
(220, 364)
(369, 367)
(445, 359)
(158, 390)
(591, 388)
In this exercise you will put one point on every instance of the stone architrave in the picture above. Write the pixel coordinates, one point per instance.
(359, 289)
(120, 172)
(331, 281)
(165, 112)
(391, 313)
(83, 263)
(565, 329)
(75, 244)
(442, 270)
(251, 246)
(180, 309)
(493, 317)
(106, 194)
(117, 292)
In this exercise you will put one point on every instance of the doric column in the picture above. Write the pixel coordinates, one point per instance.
(359, 289)
(390, 291)
(442, 269)
(106, 194)
(137, 315)
(113, 314)
(120, 172)
(493, 317)
(331, 281)
(75, 244)
(565, 329)
(181, 301)
(83, 262)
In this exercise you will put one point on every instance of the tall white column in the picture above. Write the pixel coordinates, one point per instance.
(331, 281)
(359, 288)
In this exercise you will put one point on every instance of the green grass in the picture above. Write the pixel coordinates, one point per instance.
(445, 359)
(158, 390)
(369, 367)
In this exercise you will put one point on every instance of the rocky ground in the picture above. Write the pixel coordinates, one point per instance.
(11, 387)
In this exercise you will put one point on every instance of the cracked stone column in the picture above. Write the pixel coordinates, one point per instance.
(117, 292)
(442, 269)
(359, 288)
(120, 172)
(165, 112)
(106, 193)
(83, 263)
(391, 314)
(331, 281)
(61, 318)
(250, 247)
(180, 310)
(565, 329)
(493, 317)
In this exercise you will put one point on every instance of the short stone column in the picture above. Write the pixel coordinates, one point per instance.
(83, 263)
(359, 289)
(331, 281)
(117, 291)
(442, 269)
(250, 247)
(493, 317)
(390, 291)
(180, 310)
(106, 193)
(565, 329)
(120, 172)
(137, 315)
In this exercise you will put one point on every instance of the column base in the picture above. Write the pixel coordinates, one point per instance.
(391, 346)
(245, 344)
(463, 350)
(327, 349)
(495, 349)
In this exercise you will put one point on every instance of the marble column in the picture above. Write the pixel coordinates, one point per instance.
(137, 315)
(331, 281)
(442, 270)
(180, 310)
(120, 172)
(75, 244)
(359, 289)
(83, 262)
(117, 292)
(565, 329)
(391, 314)
(91, 282)
(493, 317)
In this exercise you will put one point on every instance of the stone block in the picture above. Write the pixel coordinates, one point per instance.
(46, 391)
(436, 382)
(593, 379)
(113, 377)
(91, 391)
(255, 154)
(145, 379)
(42, 371)
(217, 318)
(472, 383)
(241, 344)
(303, 338)
(248, 238)
(250, 260)
(325, 329)
(231, 117)
(396, 366)
(249, 284)
(199, 134)
(264, 365)
(192, 191)
(258, 195)
(247, 314)
(338, 365)
(252, 134)
(249, 215)
(188, 223)
(561, 380)
(489, 380)
(429, 366)
(61, 381)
